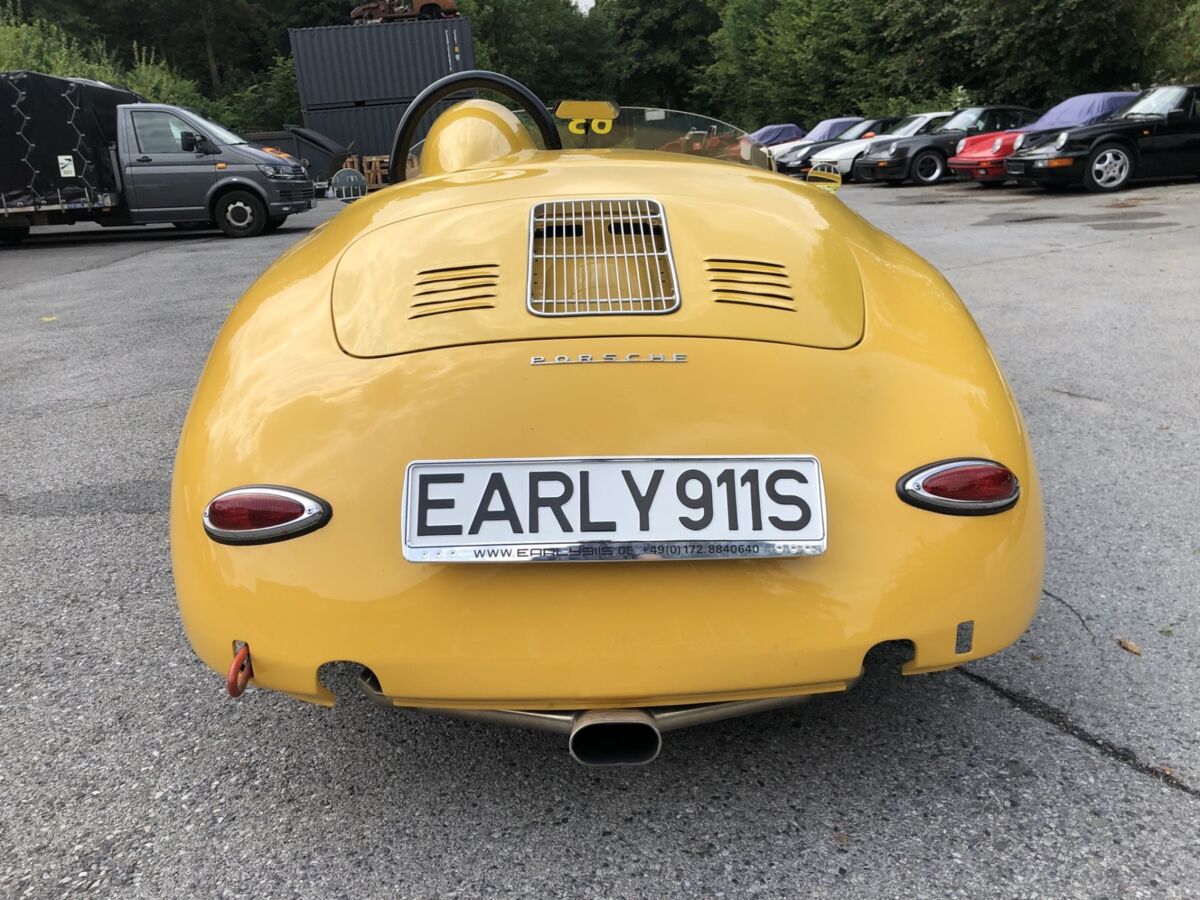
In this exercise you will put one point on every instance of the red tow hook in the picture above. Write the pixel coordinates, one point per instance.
(240, 672)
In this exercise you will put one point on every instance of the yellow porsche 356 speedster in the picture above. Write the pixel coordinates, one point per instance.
(606, 439)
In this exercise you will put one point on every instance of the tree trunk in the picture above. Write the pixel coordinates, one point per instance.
(210, 56)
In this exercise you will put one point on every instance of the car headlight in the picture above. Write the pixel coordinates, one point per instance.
(281, 172)
(961, 145)
(1018, 142)
(1060, 141)
(996, 145)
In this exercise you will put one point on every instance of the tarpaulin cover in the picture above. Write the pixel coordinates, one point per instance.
(777, 134)
(1082, 110)
(54, 138)
(831, 128)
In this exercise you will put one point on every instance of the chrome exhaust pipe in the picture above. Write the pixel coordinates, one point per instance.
(607, 737)
(614, 737)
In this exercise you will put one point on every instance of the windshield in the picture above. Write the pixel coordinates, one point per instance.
(642, 128)
(1157, 102)
(962, 121)
(670, 131)
(856, 131)
(906, 126)
(218, 134)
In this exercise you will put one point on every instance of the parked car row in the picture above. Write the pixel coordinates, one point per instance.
(1101, 140)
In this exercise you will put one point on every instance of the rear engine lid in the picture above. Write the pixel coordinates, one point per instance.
(593, 266)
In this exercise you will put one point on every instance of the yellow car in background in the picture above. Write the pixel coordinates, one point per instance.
(598, 439)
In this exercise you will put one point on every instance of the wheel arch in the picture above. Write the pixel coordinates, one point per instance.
(929, 147)
(1116, 138)
(225, 185)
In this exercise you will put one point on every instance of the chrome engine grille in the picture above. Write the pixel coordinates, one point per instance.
(600, 257)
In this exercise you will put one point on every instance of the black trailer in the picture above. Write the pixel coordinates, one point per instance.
(56, 140)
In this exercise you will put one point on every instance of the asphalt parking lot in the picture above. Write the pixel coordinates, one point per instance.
(1066, 766)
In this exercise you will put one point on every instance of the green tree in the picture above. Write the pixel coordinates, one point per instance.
(738, 83)
(548, 45)
(1037, 52)
(782, 60)
(661, 48)
(1178, 40)
(268, 103)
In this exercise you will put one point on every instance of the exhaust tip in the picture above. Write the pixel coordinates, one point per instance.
(615, 737)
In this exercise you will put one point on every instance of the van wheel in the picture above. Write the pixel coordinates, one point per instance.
(1108, 168)
(275, 221)
(241, 214)
(928, 167)
(13, 234)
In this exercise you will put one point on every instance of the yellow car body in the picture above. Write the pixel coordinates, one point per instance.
(328, 378)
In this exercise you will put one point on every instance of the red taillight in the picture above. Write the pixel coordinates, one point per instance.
(962, 486)
(259, 514)
(253, 510)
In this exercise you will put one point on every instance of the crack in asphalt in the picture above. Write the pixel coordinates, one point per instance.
(1052, 715)
(1082, 621)
(1067, 393)
(161, 245)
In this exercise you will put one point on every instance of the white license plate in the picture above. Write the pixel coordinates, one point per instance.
(597, 509)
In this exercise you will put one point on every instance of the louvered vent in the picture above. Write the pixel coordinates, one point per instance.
(600, 257)
(454, 289)
(750, 282)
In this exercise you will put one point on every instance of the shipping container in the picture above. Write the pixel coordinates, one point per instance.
(366, 130)
(388, 63)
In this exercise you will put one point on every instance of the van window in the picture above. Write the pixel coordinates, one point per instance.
(159, 132)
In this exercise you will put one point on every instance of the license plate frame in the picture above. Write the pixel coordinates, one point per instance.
(716, 542)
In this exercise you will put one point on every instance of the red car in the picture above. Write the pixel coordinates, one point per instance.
(982, 157)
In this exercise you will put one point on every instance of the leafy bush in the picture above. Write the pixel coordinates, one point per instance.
(40, 46)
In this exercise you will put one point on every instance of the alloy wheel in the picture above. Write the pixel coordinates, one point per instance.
(1110, 168)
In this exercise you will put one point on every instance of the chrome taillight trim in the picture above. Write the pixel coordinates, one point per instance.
(911, 490)
(317, 514)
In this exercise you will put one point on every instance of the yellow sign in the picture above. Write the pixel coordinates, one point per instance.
(586, 109)
(596, 126)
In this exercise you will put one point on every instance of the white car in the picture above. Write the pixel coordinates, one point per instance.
(844, 154)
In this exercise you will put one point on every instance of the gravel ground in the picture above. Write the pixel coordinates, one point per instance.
(1064, 767)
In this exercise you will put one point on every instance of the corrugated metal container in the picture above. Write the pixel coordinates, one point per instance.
(366, 130)
(356, 65)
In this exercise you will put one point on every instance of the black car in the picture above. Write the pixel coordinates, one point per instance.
(922, 158)
(1157, 136)
(796, 163)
